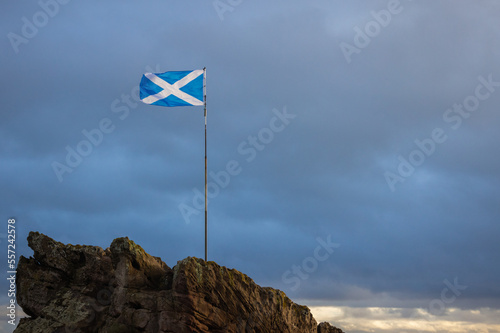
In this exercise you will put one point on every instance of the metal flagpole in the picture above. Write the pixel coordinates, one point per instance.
(206, 202)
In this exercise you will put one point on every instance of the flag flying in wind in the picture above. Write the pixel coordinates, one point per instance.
(182, 88)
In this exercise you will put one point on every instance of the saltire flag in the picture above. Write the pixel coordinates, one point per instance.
(180, 88)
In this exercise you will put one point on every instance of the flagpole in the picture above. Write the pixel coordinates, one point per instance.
(206, 201)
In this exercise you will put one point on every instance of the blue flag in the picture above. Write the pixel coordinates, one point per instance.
(183, 88)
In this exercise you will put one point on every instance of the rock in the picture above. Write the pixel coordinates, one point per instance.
(327, 328)
(76, 289)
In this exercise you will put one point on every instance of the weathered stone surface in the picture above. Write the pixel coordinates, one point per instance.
(76, 289)
(327, 328)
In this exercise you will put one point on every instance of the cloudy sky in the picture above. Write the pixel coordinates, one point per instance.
(353, 146)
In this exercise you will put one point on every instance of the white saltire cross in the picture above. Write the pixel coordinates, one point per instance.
(173, 89)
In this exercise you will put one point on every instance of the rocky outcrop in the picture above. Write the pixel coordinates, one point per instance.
(73, 289)
(327, 328)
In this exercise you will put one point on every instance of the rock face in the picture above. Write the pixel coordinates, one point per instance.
(85, 289)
